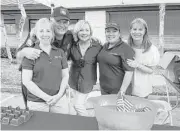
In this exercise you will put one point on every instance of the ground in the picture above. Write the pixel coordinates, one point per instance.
(11, 90)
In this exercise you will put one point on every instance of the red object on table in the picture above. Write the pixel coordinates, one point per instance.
(53, 121)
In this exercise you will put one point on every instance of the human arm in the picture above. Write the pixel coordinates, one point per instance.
(139, 66)
(150, 61)
(127, 54)
(31, 86)
(126, 82)
(63, 86)
(28, 52)
(64, 80)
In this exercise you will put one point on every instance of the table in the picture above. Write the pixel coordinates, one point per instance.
(53, 121)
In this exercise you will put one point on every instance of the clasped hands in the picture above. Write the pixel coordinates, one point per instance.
(52, 100)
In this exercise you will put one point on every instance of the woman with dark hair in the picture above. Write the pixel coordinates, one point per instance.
(115, 74)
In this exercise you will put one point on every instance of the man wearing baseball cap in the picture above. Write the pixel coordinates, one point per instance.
(63, 37)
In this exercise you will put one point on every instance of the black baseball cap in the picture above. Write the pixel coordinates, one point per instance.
(61, 13)
(113, 25)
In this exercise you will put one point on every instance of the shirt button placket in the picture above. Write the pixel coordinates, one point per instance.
(79, 81)
(50, 60)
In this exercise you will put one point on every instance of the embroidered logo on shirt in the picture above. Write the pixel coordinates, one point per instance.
(57, 57)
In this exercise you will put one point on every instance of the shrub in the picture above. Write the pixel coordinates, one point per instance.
(4, 52)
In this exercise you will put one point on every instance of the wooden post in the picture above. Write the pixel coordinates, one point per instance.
(161, 28)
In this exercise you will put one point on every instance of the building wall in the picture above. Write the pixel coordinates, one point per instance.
(98, 18)
(171, 24)
(12, 38)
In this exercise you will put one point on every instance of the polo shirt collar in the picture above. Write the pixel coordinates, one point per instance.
(117, 44)
(38, 47)
(92, 43)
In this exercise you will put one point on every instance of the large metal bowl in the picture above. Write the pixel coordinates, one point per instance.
(109, 118)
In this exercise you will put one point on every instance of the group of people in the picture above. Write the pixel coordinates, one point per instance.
(124, 68)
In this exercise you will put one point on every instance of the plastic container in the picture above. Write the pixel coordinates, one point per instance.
(110, 119)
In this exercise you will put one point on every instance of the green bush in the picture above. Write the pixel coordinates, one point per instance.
(4, 52)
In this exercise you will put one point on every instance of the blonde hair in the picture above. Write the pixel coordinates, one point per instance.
(146, 41)
(79, 25)
(33, 33)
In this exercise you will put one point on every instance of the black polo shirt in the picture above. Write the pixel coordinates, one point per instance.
(112, 66)
(65, 43)
(47, 71)
(83, 73)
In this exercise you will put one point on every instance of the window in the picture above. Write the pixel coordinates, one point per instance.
(72, 24)
(32, 23)
(10, 26)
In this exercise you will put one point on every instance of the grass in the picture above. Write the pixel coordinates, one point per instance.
(11, 82)
(10, 76)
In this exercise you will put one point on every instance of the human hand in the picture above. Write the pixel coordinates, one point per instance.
(74, 36)
(32, 53)
(120, 94)
(70, 92)
(95, 39)
(133, 63)
(29, 42)
(54, 99)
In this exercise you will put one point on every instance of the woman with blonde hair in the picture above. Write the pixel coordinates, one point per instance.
(146, 57)
(83, 73)
(46, 77)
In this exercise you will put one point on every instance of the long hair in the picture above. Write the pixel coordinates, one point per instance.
(146, 41)
(33, 33)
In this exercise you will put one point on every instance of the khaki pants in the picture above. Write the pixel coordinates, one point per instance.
(78, 100)
(62, 106)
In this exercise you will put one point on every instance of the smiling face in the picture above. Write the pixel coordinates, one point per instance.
(61, 27)
(84, 33)
(137, 32)
(112, 35)
(44, 33)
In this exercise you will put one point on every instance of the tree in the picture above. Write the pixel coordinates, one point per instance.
(161, 28)
(6, 43)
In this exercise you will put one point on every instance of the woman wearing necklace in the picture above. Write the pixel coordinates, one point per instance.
(83, 74)
(146, 57)
(115, 74)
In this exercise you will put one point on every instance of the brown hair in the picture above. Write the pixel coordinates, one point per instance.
(146, 41)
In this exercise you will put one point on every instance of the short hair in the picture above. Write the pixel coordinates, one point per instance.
(78, 26)
(33, 33)
(146, 41)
